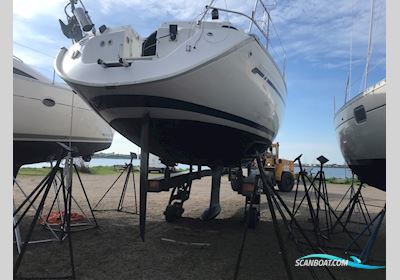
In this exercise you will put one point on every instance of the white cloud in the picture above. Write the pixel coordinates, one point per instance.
(323, 29)
(178, 9)
(29, 9)
(121, 145)
(24, 32)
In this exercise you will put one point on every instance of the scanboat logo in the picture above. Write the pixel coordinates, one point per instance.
(330, 260)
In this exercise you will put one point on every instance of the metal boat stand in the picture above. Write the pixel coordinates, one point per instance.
(366, 251)
(274, 200)
(89, 223)
(17, 231)
(128, 168)
(314, 205)
(356, 202)
(319, 204)
(43, 190)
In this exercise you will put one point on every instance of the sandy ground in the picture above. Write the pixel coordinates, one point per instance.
(114, 250)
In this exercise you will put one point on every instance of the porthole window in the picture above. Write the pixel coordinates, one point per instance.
(359, 114)
(48, 102)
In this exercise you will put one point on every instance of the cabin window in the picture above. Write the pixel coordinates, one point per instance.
(229, 26)
(149, 45)
(360, 114)
(22, 73)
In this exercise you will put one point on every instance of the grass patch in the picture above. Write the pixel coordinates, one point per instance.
(346, 181)
(103, 170)
(29, 171)
(96, 170)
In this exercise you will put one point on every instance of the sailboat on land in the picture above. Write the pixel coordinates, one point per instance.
(44, 115)
(361, 129)
(214, 93)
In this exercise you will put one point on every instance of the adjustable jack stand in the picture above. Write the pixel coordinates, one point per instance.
(322, 193)
(252, 210)
(350, 191)
(356, 200)
(324, 199)
(275, 200)
(365, 253)
(248, 221)
(91, 223)
(251, 199)
(17, 231)
(120, 208)
(314, 213)
(43, 189)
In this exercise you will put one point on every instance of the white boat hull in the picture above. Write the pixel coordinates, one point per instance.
(363, 141)
(38, 127)
(217, 112)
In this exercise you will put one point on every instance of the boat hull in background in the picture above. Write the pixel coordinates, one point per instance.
(42, 117)
(361, 133)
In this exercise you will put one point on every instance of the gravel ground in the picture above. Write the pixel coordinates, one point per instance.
(114, 250)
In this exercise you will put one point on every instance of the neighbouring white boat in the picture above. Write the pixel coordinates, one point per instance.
(361, 125)
(361, 132)
(214, 93)
(43, 116)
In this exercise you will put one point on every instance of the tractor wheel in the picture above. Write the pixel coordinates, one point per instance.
(287, 182)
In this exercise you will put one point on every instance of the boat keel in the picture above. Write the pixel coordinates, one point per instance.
(215, 208)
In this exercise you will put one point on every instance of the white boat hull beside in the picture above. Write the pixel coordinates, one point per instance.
(220, 104)
(361, 132)
(42, 117)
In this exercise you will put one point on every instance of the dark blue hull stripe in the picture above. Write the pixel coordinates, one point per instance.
(119, 101)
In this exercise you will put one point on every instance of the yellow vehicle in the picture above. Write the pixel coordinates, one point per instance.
(282, 169)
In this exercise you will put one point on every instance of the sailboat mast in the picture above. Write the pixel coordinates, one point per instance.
(348, 86)
(369, 44)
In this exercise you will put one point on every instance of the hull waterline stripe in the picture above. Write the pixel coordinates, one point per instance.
(119, 101)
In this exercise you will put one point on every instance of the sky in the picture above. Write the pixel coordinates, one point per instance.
(317, 36)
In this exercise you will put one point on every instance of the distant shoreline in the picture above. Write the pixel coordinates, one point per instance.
(123, 156)
(114, 156)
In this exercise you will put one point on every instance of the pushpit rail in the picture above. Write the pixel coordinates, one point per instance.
(266, 30)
